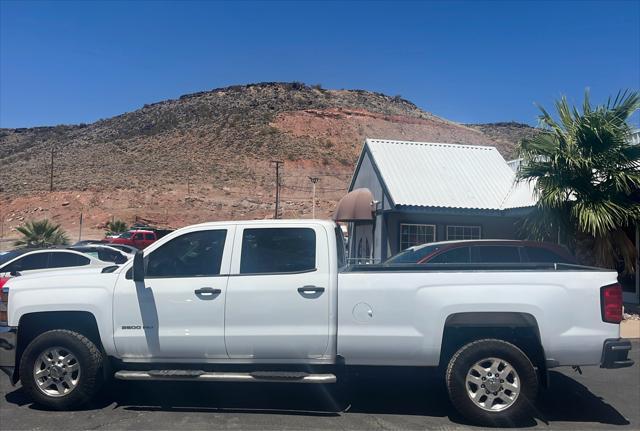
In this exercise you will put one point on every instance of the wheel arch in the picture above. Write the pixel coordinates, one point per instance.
(518, 328)
(33, 324)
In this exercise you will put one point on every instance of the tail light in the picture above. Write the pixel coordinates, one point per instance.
(611, 303)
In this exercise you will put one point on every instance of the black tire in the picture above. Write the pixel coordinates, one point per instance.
(470, 354)
(89, 359)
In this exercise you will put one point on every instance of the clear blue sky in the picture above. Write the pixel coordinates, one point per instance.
(72, 62)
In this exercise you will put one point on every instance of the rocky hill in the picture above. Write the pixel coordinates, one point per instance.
(207, 155)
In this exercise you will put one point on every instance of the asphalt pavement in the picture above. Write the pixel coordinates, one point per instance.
(597, 399)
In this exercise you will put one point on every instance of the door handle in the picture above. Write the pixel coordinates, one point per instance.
(207, 291)
(310, 289)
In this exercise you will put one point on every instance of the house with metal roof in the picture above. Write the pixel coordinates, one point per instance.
(425, 192)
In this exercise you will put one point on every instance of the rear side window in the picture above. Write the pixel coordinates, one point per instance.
(543, 255)
(495, 254)
(456, 255)
(149, 236)
(271, 250)
(29, 262)
(194, 254)
(62, 259)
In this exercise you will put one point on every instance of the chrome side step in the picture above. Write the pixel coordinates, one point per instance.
(204, 376)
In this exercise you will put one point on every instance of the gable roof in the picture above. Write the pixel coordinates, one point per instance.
(426, 174)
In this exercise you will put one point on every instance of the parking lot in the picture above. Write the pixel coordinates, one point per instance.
(597, 399)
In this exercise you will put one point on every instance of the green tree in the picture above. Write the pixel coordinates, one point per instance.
(586, 173)
(116, 226)
(42, 233)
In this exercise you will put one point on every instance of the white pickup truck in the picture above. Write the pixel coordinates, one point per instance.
(273, 301)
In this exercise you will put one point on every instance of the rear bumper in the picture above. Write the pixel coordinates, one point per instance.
(615, 354)
(8, 346)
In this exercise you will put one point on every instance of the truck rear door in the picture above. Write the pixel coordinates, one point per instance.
(277, 304)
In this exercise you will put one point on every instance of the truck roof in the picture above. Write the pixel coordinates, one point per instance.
(328, 223)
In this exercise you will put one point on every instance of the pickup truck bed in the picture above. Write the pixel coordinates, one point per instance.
(274, 301)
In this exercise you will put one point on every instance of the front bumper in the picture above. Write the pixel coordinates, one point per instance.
(615, 354)
(8, 346)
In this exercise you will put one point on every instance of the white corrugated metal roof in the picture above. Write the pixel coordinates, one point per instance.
(448, 175)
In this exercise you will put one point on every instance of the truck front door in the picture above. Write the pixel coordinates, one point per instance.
(277, 304)
(178, 312)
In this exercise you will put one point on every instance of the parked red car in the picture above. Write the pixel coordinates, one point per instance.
(137, 238)
(484, 251)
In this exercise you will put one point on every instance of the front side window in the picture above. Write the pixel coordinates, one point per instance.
(29, 262)
(149, 236)
(62, 260)
(495, 254)
(137, 236)
(455, 233)
(275, 250)
(194, 254)
(416, 234)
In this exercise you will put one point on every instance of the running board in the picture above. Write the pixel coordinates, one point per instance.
(204, 376)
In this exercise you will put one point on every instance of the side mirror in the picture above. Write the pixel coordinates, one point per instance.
(138, 266)
(14, 274)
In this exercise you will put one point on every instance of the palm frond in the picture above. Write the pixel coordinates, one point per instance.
(586, 173)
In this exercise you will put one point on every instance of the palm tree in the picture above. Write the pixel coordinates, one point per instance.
(116, 226)
(585, 172)
(41, 233)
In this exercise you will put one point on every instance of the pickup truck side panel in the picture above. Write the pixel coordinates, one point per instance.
(399, 317)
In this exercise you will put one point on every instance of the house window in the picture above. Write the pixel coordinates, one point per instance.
(416, 234)
(462, 232)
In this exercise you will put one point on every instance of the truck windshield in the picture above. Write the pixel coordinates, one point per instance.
(6, 256)
(125, 235)
(413, 254)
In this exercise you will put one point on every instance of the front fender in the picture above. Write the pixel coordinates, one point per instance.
(70, 294)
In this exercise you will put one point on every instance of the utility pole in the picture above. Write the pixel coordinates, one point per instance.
(314, 180)
(80, 234)
(278, 163)
(51, 177)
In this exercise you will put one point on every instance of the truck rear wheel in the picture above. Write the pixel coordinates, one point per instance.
(61, 369)
(492, 382)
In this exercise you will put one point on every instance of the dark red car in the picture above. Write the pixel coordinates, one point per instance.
(484, 251)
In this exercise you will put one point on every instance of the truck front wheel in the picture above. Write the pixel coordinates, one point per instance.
(61, 369)
(492, 382)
